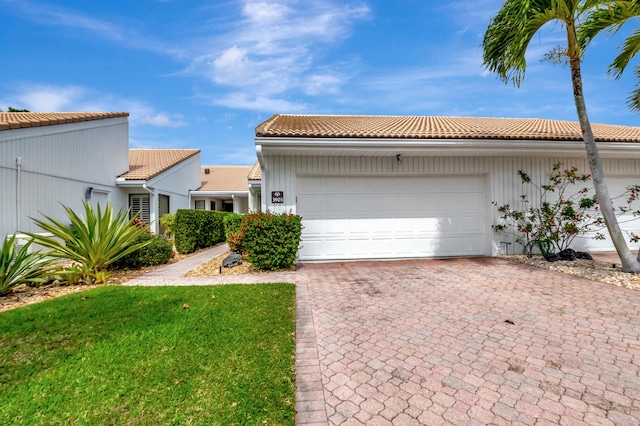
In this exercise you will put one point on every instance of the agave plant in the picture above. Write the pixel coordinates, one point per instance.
(95, 240)
(21, 267)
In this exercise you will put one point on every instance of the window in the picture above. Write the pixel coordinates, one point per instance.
(140, 203)
(227, 207)
(200, 205)
(212, 204)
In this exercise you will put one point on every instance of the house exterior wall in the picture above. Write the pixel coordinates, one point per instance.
(503, 185)
(59, 163)
(174, 183)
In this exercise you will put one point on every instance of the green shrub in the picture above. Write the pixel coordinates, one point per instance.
(167, 221)
(269, 240)
(95, 241)
(21, 267)
(196, 229)
(231, 223)
(156, 252)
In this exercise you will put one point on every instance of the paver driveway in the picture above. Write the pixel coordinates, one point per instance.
(465, 341)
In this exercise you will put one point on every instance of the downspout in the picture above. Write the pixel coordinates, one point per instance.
(18, 188)
(263, 181)
(151, 206)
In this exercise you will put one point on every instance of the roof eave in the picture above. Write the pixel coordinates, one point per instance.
(123, 182)
(197, 192)
(439, 147)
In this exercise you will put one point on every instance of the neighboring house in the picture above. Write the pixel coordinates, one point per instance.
(255, 188)
(62, 158)
(395, 187)
(223, 188)
(158, 182)
(49, 159)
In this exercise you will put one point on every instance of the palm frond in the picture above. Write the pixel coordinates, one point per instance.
(629, 50)
(509, 33)
(633, 101)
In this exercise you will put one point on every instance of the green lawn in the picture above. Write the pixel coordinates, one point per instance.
(134, 355)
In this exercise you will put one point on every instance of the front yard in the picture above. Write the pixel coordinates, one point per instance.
(151, 355)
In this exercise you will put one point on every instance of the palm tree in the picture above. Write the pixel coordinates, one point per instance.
(504, 46)
(612, 19)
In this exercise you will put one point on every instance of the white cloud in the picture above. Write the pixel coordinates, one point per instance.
(272, 50)
(271, 47)
(63, 17)
(318, 84)
(242, 100)
(50, 98)
(264, 12)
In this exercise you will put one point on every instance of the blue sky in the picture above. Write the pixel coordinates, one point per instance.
(204, 74)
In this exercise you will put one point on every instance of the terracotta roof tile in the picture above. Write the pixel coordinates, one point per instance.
(18, 120)
(256, 172)
(340, 126)
(225, 178)
(145, 164)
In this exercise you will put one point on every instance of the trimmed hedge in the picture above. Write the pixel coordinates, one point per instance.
(269, 240)
(157, 252)
(196, 229)
(232, 223)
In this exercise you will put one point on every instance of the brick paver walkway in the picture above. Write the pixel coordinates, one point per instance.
(465, 342)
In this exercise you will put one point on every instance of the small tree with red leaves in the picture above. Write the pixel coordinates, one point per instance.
(555, 221)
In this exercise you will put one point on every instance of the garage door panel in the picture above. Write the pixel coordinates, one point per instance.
(380, 217)
(359, 226)
(313, 227)
(405, 246)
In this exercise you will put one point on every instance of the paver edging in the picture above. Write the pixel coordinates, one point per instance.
(309, 393)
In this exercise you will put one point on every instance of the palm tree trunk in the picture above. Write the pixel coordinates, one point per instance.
(629, 263)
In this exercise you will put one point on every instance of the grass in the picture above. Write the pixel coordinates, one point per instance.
(134, 355)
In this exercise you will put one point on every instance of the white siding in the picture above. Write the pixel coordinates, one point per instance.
(503, 183)
(174, 183)
(59, 163)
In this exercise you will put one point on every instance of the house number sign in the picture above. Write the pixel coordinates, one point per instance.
(277, 197)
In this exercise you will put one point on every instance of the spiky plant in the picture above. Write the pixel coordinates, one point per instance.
(21, 267)
(95, 240)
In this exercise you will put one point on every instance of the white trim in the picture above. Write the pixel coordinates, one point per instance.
(441, 147)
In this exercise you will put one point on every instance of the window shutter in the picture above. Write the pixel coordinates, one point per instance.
(140, 203)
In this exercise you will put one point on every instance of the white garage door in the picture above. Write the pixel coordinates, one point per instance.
(346, 217)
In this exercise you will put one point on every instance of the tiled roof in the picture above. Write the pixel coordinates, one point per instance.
(256, 172)
(343, 126)
(225, 178)
(17, 120)
(145, 164)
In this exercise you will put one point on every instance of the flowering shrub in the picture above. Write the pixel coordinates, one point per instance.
(231, 223)
(270, 241)
(553, 225)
